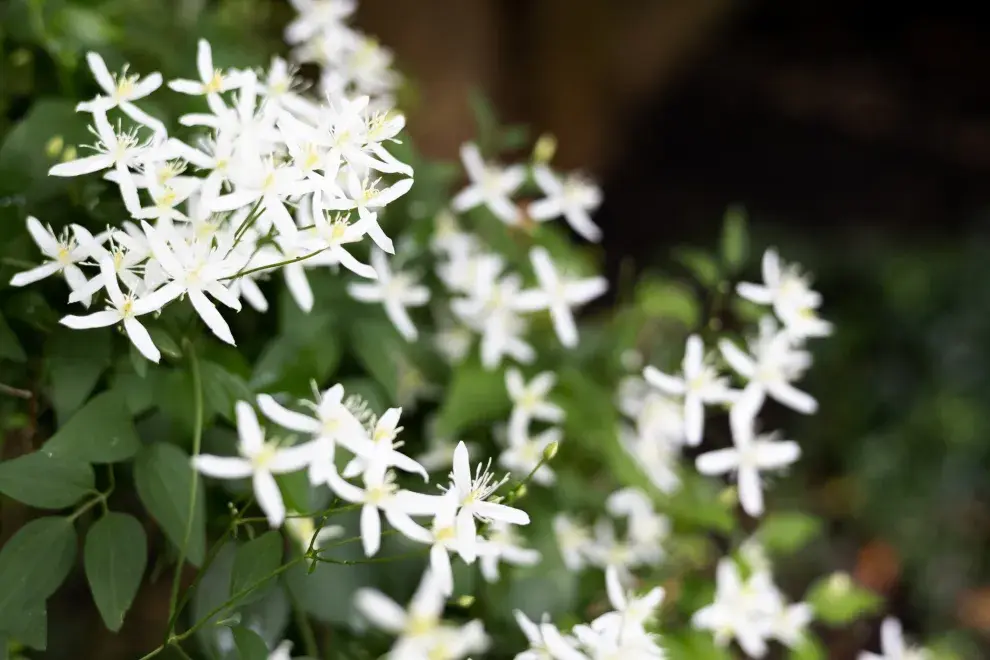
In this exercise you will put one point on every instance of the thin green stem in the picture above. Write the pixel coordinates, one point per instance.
(100, 498)
(252, 216)
(316, 514)
(371, 560)
(305, 626)
(190, 513)
(277, 264)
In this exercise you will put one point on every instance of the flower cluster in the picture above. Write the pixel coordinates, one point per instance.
(282, 182)
(621, 632)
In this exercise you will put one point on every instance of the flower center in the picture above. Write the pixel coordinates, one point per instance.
(215, 83)
(264, 457)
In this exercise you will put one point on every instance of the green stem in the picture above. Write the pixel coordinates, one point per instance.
(305, 627)
(252, 216)
(371, 560)
(277, 264)
(197, 441)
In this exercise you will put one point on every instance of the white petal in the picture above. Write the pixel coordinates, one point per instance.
(35, 274)
(381, 610)
(563, 325)
(738, 360)
(440, 565)
(291, 459)
(222, 467)
(286, 418)
(663, 382)
(771, 268)
(750, 491)
(580, 221)
(252, 439)
(502, 512)
(719, 461)
(269, 497)
(755, 293)
(95, 320)
(43, 238)
(141, 339)
(81, 166)
(776, 455)
(407, 526)
(204, 60)
(616, 594)
(583, 291)
(208, 312)
(371, 529)
(100, 72)
(462, 468)
(474, 165)
(399, 317)
(694, 419)
(466, 536)
(892, 638)
(792, 397)
(298, 284)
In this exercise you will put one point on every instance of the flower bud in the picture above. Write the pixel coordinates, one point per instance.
(550, 451)
(544, 149)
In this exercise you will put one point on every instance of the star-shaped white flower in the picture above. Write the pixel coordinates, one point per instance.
(559, 295)
(699, 384)
(259, 460)
(572, 197)
(211, 81)
(529, 400)
(750, 455)
(396, 292)
(490, 185)
(788, 290)
(121, 91)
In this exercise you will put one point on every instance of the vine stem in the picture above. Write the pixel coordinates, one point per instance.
(277, 264)
(197, 442)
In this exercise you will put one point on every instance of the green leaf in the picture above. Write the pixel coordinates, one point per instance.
(45, 481)
(787, 532)
(693, 645)
(221, 390)
(101, 432)
(475, 396)
(809, 648)
(163, 475)
(75, 359)
(24, 159)
(838, 601)
(163, 340)
(380, 350)
(29, 626)
(10, 348)
(34, 563)
(254, 561)
(288, 364)
(249, 644)
(701, 264)
(735, 241)
(662, 299)
(115, 557)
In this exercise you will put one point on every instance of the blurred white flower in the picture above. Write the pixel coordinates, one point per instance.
(395, 290)
(572, 197)
(893, 646)
(490, 185)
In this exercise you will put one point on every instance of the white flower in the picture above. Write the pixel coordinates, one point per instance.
(537, 647)
(529, 401)
(771, 367)
(699, 384)
(893, 646)
(442, 537)
(742, 610)
(572, 197)
(656, 457)
(123, 309)
(646, 529)
(380, 452)
(121, 92)
(503, 544)
(64, 253)
(114, 149)
(490, 185)
(573, 540)
(335, 232)
(380, 493)
(269, 185)
(396, 292)
(630, 613)
(333, 422)
(196, 272)
(259, 460)
(559, 295)
(316, 16)
(750, 455)
(211, 81)
(526, 452)
(282, 652)
(414, 625)
(368, 199)
(474, 494)
(789, 292)
(790, 623)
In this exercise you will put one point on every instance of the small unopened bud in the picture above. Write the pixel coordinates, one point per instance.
(839, 583)
(544, 149)
(465, 601)
(54, 146)
(550, 451)
(69, 153)
(520, 491)
(729, 496)
(231, 621)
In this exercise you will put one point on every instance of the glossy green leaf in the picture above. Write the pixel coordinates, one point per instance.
(34, 563)
(249, 644)
(115, 557)
(475, 396)
(28, 625)
(254, 561)
(380, 350)
(701, 264)
(668, 300)
(100, 432)
(75, 360)
(46, 481)
(10, 348)
(163, 475)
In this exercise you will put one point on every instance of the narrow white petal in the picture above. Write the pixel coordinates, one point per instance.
(750, 491)
(252, 439)
(371, 529)
(35, 274)
(222, 467)
(81, 166)
(94, 320)
(792, 397)
(381, 610)
(440, 565)
(141, 339)
(269, 497)
(208, 312)
(663, 382)
(719, 461)
(286, 418)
